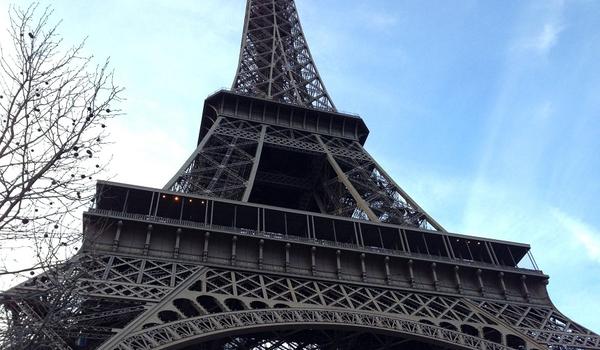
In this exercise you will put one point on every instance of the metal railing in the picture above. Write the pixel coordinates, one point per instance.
(299, 239)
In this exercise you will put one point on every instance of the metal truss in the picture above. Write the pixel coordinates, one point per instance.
(195, 329)
(275, 61)
(544, 324)
(226, 161)
(220, 302)
(233, 291)
(161, 303)
(223, 163)
(128, 295)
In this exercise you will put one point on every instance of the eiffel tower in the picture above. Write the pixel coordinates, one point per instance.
(280, 231)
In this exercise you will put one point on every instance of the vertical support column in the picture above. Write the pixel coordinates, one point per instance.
(457, 278)
(177, 241)
(363, 267)
(148, 238)
(360, 202)
(411, 273)
(313, 260)
(480, 281)
(386, 262)
(434, 275)
(115, 245)
(524, 286)
(338, 262)
(261, 244)
(205, 248)
(259, 147)
(233, 250)
(287, 257)
(502, 284)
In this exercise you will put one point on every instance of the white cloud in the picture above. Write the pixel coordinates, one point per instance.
(544, 39)
(380, 20)
(587, 236)
(542, 28)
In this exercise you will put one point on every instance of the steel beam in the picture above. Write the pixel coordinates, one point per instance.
(360, 202)
(257, 154)
(191, 158)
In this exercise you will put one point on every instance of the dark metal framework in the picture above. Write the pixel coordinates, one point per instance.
(275, 61)
(281, 232)
(317, 158)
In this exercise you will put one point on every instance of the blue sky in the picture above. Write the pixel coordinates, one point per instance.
(486, 112)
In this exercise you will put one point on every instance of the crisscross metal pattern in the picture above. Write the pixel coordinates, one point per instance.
(275, 61)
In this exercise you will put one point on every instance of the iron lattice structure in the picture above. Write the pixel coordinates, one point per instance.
(275, 61)
(281, 232)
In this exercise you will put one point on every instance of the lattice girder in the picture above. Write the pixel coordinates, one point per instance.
(234, 300)
(227, 161)
(275, 61)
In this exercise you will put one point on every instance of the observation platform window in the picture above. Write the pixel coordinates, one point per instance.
(479, 251)
(509, 255)
(435, 244)
(275, 221)
(169, 206)
(138, 202)
(416, 242)
(344, 231)
(297, 225)
(324, 229)
(223, 214)
(371, 236)
(194, 209)
(246, 217)
(461, 248)
(391, 238)
(111, 198)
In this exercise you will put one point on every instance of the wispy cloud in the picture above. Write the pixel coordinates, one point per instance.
(544, 39)
(542, 28)
(380, 20)
(587, 236)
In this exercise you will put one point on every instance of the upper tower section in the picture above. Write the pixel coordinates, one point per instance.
(275, 61)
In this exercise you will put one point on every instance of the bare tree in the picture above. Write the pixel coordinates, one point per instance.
(54, 106)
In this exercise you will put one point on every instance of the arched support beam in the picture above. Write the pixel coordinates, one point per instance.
(175, 335)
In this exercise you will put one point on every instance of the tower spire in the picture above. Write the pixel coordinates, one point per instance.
(275, 61)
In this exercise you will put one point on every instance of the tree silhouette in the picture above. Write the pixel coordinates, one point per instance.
(54, 106)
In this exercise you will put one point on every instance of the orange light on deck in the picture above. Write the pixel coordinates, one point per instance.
(190, 201)
(164, 196)
(176, 198)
